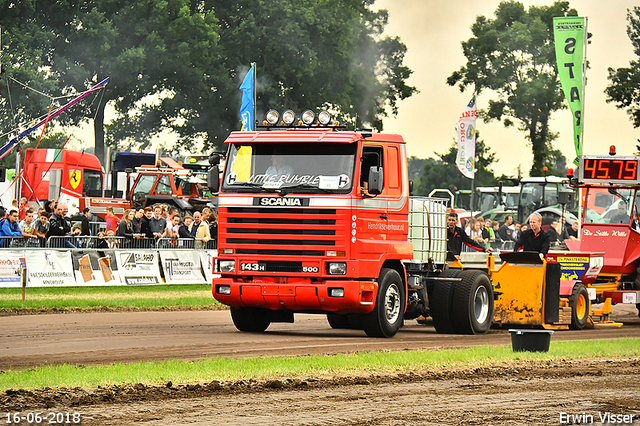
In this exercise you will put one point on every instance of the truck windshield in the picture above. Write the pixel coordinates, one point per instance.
(327, 167)
(605, 205)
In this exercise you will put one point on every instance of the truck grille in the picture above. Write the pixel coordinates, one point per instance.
(282, 232)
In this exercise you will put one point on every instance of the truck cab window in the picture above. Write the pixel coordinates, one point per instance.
(92, 183)
(371, 157)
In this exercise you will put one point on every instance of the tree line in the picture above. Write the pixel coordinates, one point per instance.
(177, 64)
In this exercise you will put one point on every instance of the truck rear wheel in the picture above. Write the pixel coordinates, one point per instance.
(440, 301)
(254, 320)
(388, 314)
(579, 307)
(473, 303)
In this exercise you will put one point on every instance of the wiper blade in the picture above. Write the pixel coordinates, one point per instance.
(244, 185)
(284, 190)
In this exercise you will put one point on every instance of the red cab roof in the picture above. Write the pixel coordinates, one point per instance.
(310, 136)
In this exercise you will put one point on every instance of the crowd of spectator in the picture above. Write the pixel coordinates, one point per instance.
(145, 227)
(491, 234)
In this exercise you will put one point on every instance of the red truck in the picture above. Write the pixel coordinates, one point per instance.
(315, 219)
(77, 179)
(78, 174)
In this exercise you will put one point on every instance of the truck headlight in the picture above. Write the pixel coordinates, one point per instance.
(227, 266)
(337, 268)
(223, 289)
(336, 292)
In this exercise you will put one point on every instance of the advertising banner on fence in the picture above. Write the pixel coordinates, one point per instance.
(50, 268)
(93, 267)
(138, 267)
(207, 258)
(11, 264)
(181, 267)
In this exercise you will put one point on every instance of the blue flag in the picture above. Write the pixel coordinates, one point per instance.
(246, 111)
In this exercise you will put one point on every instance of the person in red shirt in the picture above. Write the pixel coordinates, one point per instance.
(24, 206)
(112, 220)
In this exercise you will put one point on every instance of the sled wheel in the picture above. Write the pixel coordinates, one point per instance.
(580, 307)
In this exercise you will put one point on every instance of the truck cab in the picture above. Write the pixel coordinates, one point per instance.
(313, 220)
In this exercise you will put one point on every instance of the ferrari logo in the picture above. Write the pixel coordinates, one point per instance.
(75, 176)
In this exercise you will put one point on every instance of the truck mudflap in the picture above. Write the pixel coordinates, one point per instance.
(340, 297)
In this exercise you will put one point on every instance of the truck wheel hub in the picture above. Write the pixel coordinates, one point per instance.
(481, 304)
(392, 303)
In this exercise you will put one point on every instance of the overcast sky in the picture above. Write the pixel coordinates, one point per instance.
(433, 30)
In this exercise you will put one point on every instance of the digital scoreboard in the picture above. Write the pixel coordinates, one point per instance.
(608, 169)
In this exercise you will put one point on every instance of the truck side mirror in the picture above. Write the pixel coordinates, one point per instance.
(565, 197)
(214, 159)
(213, 178)
(375, 181)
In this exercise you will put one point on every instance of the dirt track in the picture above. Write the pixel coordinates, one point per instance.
(502, 395)
(103, 338)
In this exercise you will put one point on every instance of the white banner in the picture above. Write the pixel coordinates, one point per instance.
(93, 267)
(207, 258)
(181, 267)
(11, 264)
(138, 267)
(49, 268)
(466, 129)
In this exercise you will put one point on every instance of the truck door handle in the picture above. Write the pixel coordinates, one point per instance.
(383, 216)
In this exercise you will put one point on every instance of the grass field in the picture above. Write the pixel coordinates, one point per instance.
(116, 297)
(206, 370)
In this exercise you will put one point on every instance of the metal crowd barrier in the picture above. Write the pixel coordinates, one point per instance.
(115, 242)
(21, 242)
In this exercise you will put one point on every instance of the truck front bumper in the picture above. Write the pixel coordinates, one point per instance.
(302, 295)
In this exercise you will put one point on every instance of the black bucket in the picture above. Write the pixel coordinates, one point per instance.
(530, 340)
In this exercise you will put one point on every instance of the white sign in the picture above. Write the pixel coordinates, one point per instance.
(181, 267)
(11, 264)
(138, 267)
(50, 268)
(95, 267)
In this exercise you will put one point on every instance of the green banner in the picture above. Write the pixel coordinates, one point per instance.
(569, 36)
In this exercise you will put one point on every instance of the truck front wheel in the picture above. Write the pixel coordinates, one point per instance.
(254, 320)
(388, 314)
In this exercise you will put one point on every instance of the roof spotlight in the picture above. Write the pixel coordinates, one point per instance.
(272, 116)
(324, 117)
(288, 117)
(308, 116)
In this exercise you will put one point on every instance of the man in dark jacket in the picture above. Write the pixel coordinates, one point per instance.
(456, 237)
(84, 222)
(506, 232)
(534, 238)
(59, 226)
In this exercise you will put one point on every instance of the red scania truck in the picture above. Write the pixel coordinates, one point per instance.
(317, 219)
